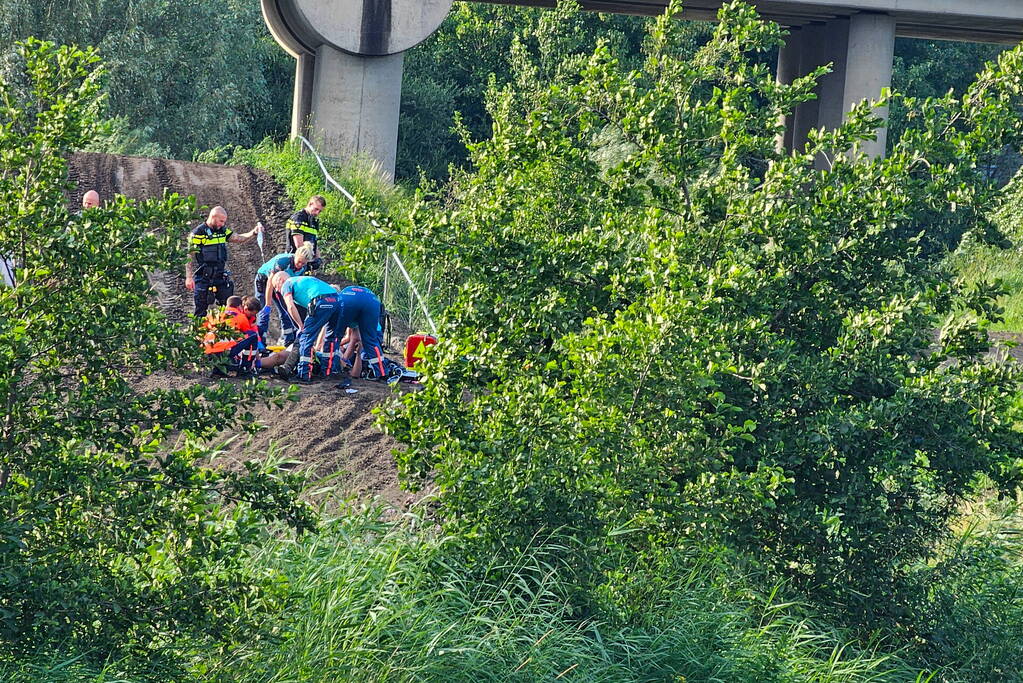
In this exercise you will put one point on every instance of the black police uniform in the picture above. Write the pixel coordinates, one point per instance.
(301, 223)
(209, 247)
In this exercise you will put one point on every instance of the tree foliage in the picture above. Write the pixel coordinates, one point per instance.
(662, 329)
(483, 46)
(182, 76)
(112, 536)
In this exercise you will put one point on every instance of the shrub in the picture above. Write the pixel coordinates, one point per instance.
(113, 538)
(663, 329)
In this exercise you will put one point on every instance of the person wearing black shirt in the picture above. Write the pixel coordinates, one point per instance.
(207, 267)
(304, 225)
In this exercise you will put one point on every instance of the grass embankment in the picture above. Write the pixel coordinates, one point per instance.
(987, 264)
(341, 224)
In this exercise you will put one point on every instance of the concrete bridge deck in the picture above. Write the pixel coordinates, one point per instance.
(350, 52)
(985, 21)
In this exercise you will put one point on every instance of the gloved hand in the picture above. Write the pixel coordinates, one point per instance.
(266, 310)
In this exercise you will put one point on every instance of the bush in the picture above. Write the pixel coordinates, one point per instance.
(113, 537)
(664, 330)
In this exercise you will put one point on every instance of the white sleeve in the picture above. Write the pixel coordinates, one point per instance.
(6, 271)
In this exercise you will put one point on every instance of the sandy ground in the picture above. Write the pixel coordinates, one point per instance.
(327, 430)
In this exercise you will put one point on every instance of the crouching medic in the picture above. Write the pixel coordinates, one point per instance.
(234, 335)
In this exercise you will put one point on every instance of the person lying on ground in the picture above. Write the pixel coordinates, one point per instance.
(206, 269)
(299, 263)
(241, 344)
(274, 359)
(350, 347)
(322, 304)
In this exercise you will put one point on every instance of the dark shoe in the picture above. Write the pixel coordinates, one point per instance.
(346, 381)
(282, 372)
(217, 373)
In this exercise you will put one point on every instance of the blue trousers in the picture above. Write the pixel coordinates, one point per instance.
(223, 289)
(361, 308)
(263, 319)
(245, 354)
(324, 311)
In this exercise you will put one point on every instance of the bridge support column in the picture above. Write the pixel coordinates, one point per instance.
(350, 56)
(302, 106)
(811, 56)
(355, 104)
(831, 88)
(869, 69)
(788, 71)
(861, 51)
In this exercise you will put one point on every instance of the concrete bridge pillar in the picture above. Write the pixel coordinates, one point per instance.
(861, 51)
(788, 71)
(349, 65)
(831, 88)
(869, 69)
(811, 56)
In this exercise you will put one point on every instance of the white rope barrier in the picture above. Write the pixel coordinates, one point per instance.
(391, 252)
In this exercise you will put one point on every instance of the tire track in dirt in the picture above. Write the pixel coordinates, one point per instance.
(330, 432)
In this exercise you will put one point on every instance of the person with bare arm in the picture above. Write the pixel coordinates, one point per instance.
(206, 269)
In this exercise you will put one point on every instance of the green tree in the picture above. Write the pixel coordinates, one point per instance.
(930, 68)
(483, 46)
(113, 538)
(662, 329)
(182, 76)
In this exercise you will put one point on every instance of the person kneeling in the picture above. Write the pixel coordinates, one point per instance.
(233, 335)
(324, 311)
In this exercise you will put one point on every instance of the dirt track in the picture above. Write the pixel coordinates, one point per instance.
(328, 430)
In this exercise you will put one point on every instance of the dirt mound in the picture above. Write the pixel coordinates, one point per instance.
(330, 431)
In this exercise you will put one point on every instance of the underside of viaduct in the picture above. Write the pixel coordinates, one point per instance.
(350, 52)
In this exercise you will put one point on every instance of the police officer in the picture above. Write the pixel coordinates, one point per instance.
(207, 269)
(304, 225)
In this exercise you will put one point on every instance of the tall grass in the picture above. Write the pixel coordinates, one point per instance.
(986, 264)
(391, 601)
(976, 263)
(386, 602)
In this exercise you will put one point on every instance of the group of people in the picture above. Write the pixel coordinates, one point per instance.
(339, 331)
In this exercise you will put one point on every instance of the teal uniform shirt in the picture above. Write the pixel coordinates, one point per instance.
(305, 288)
(282, 263)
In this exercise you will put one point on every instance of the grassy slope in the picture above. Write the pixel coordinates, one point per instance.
(990, 264)
(391, 603)
(340, 223)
